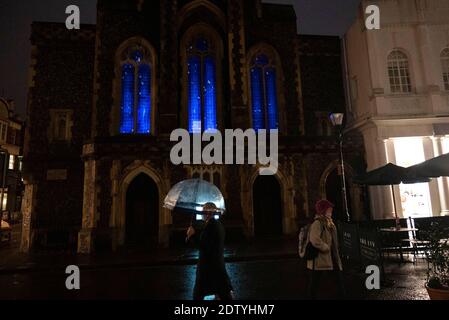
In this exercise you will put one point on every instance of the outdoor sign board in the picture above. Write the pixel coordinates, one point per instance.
(349, 242)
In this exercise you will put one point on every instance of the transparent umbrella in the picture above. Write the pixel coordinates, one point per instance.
(189, 196)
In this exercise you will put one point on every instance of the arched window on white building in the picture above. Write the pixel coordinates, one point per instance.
(399, 72)
(445, 67)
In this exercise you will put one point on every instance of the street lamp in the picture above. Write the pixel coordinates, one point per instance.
(337, 122)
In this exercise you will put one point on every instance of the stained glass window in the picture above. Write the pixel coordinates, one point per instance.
(135, 115)
(194, 72)
(127, 119)
(264, 93)
(210, 112)
(202, 94)
(257, 89)
(144, 97)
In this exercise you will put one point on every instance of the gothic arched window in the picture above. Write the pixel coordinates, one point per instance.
(201, 84)
(264, 96)
(445, 66)
(136, 90)
(399, 72)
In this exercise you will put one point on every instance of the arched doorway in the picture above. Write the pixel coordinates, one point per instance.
(334, 194)
(142, 213)
(267, 207)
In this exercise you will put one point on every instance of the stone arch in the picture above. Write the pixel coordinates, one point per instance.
(118, 218)
(193, 5)
(355, 191)
(4, 109)
(287, 201)
(331, 167)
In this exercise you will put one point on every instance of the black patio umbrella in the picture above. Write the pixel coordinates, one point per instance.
(391, 175)
(432, 168)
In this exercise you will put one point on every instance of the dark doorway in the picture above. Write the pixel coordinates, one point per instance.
(267, 207)
(142, 213)
(335, 195)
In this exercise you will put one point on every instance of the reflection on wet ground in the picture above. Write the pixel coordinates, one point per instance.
(282, 279)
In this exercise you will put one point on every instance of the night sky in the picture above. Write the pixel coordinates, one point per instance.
(325, 17)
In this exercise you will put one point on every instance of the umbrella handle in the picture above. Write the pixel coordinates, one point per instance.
(191, 225)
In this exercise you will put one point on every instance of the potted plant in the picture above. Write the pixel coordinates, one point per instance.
(437, 256)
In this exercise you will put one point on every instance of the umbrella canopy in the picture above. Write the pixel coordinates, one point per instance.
(433, 168)
(189, 196)
(389, 174)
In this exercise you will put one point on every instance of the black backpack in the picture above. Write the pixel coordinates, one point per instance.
(306, 249)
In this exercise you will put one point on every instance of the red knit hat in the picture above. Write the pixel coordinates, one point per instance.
(322, 205)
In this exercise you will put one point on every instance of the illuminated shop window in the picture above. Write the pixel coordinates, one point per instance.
(445, 143)
(202, 82)
(136, 95)
(415, 198)
(5, 199)
(11, 162)
(264, 93)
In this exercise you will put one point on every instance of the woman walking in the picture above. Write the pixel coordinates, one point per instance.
(323, 236)
(211, 275)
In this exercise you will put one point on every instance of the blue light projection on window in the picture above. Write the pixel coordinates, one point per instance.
(210, 103)
(271, 98)
(127, 106)
(202, 91)
(144, 100)
(136, 95)
(264, 94)
(194, 99)
(257, 98)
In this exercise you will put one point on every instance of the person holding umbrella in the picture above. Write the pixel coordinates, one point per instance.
(211, 275)
(193, 197)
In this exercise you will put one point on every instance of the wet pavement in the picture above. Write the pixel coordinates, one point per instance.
(252, 280)
(265, 280)
(409, 280)
(260, 270)
(11, 260)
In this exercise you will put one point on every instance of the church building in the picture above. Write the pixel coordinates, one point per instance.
(104, 99)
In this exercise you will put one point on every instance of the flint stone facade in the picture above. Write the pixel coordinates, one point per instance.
(76, 70)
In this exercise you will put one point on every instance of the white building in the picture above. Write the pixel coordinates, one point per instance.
(398, 97)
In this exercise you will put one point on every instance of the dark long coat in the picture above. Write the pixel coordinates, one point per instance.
(211, 275)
